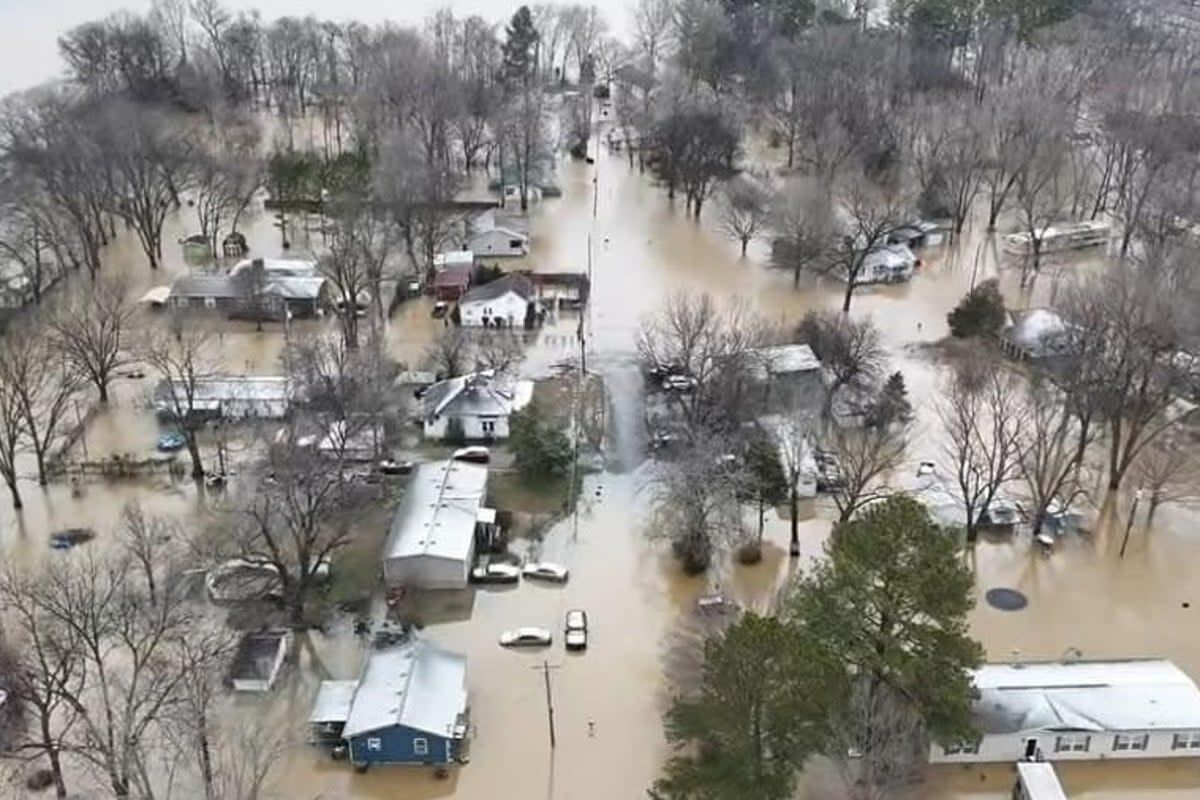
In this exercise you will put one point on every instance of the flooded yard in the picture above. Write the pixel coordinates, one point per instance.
(607, 702)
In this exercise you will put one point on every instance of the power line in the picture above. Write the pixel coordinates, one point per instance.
(545, 668)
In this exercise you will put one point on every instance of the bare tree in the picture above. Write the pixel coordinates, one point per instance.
(48, 670)
(295, 523)
(866, 456)
(696, 506)
(43, 395)
(794, 432)
(1041, 191)
(14, 439)
(871, 216)
(1167, 469)
(804, 229)
(225, 179)
(851, 352)
(501, 351)
(91, 334)
(983, 417)
(184, 364)
(1050, 444)
(744, 208)
(652, 29)
(450, 354)
(148, 543)
(878, 743)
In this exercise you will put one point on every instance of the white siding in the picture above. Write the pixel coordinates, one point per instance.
(1011, 747)
(509, 307)
(473, 427)
(428, 572)
(497, 243)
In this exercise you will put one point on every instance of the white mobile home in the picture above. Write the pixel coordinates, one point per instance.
(1080, 711)
(1061, 237)
(431, 544)
(890, 263)
(498, 242)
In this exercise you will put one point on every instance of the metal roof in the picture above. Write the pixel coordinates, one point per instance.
(1099, 696)
(783, 359)
(333, 701)
(438, 513)
(481, 393)
(417, 685)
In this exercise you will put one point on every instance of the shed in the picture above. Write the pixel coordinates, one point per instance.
(499, 242)
(454, 258)
(451, 283)
(409, 707)
(258, 659)
(431, 543)
(330, 712)
(1080, 711)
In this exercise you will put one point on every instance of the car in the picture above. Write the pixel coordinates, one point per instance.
(171, 441)
(66, 539)
(241, 579)
(440, 308)
(422, 390)
(526, 637)
(663, 441)
(576, 629)
(546, 571)
(476, 454)
(495, 573)
(679, 383)
(391, 466)
(926, 468)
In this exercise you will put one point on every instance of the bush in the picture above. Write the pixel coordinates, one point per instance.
(484, 274)
(455, 434)
(980, 313)
(539, 451)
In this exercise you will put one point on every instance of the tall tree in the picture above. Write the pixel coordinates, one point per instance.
(91, 334)
(183, 363)
(519, 50)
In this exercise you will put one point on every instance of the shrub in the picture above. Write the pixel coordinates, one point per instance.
(980, 313)
(540, 452)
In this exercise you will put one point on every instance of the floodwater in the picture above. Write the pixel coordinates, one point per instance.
(642, 249)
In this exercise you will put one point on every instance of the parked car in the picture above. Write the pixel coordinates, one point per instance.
(171, 441)
(926, 468)
(526, 637)
(576, 630)
(679, 383)
(66, 539)
(422, 390)
(476, 454)
(390, 466)
(243, 579)
(495, 573)
(664, 441)
(440, 308)
(546, 571)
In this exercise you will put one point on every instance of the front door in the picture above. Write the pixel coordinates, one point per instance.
(1031, 749)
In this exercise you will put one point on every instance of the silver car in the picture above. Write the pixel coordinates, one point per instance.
(546, 571)
(576, 633)
(526, 637)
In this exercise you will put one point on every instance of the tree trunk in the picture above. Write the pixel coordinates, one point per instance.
(848, 296)
(794, 519)
(51, 748)
(15, 492)
(194, 451)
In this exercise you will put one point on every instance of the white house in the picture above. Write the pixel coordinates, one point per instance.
(481, 403)
(498, 242)
(431, 544)
(502, 303)
(1080, 711)
(889, 263)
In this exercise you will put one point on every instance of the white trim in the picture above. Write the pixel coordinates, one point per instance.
(420, 746)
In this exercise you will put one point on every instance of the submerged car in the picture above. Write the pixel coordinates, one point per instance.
(546, 571)
(171, 441)
(475, 454)
(576, 629)
(495, 573)
(679, 383)
(66, 539)
(392, 466)
(526, 637)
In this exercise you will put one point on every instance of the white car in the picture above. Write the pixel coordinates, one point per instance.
(496, 573)
(526, 637)
(245, 579)
(576, 629)
(546, 571)
(679, 383)
(476, 454)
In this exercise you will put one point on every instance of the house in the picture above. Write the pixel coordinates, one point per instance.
(451, 283)
(409, 706)
(227, 397)
(431, 543)
(258, 659)
(1080, 711)
(498, 242)
(502, 303)
(475, 406)
(248, 296)
(790, 375)
(889, 263)
(1036, 333)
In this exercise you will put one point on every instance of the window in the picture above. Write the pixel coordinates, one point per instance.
(1072, 743)
(961, 748)
(420, 746)
(374, 743)
(1189, 740)
(1130, 741)
(488, 426)
(515, 244)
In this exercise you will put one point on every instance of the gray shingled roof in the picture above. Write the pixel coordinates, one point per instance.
(498, 288)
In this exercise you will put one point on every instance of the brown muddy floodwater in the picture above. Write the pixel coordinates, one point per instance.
(1081, 597)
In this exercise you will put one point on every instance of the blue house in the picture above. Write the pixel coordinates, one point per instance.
(408, 707)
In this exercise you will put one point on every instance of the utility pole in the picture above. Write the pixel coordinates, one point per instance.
(1137, 498)
(545, 668)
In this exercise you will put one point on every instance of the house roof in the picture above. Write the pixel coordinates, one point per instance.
(1099, 696)
(234, 387)
(506, 233)
(254, 658)
(1030, 328)
(437, 515)
(785, 359)
(417, 685)
(204, 286)
(230, 286)
(279, 267)
(333, 701)
(512, 282)
(453, 276)
(477, 393)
